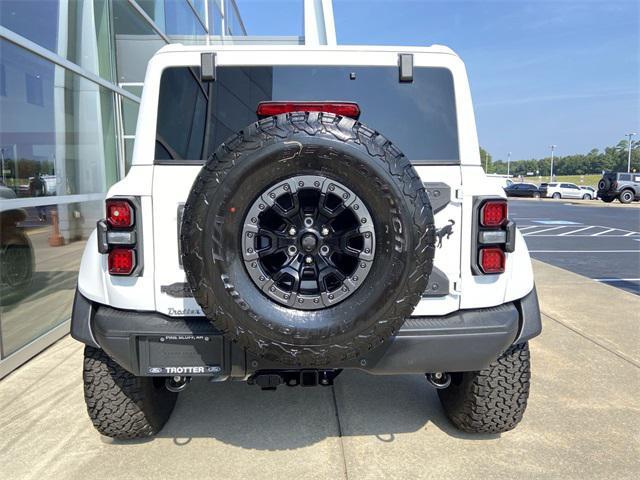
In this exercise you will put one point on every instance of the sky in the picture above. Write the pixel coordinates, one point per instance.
(563, 72)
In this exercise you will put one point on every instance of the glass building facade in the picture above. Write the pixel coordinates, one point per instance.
(71, 76)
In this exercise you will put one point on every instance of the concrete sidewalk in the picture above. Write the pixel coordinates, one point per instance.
(582, 421)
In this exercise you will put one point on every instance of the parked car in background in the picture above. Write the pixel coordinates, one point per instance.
(560, 190)
(50, 184)
(623, 186)
(588, 193)
(522, 190)
(500, 180)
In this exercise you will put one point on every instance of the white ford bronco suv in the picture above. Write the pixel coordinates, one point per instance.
(292, 212)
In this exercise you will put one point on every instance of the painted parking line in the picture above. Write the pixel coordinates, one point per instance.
(603, 232)
(583, 232)
(544, 230)
(617, 279)
(556, 222)
(572, 232)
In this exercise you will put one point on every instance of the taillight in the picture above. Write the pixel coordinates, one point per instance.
(492, 260)
(119, 213)
(122, 261)
(493, 213)
(346, 109)
(119, 234)
(495, 237)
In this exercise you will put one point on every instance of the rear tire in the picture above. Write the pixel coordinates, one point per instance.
(557, 196)
(536, 195)
(626, 196)
(492, 400)
(120, 404)
(608, 199)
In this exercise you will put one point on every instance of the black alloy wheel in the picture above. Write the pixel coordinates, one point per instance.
(308, 242)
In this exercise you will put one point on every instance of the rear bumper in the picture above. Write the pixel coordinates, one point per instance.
(151, 344)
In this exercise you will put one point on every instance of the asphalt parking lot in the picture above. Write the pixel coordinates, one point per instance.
(597, 241)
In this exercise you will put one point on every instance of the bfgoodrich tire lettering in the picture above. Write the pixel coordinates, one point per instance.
(492, 400)
(282, 147)
(120, 404)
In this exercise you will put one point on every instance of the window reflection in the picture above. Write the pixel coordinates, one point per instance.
(39, 264)
(57, 158)
(176, 17)
(77, 30)
(136, 41)
(180, 20)
(427, 132)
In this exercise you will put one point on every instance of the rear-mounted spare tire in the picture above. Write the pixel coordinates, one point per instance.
(308, 238)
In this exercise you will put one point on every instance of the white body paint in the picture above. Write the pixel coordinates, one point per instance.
(162, 188)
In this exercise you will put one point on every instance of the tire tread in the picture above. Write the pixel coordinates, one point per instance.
(120, 404)
(492, 400)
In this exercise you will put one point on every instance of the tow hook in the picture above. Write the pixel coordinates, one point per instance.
(439, 380)
(176, 384)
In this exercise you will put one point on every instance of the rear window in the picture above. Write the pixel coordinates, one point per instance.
(194, 118)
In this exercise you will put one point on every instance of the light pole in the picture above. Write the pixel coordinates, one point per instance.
(630, 135)
(553, 148)
(486, 163)
(508, 163)
(2, 157)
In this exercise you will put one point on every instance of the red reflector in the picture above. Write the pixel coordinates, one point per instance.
(492, 260)
(122, 261)
(494, 213)
(119, 214)
(347, 109)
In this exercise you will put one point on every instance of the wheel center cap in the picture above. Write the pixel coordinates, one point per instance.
(309, 242)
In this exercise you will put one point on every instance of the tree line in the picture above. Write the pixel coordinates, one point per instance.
(594, 162)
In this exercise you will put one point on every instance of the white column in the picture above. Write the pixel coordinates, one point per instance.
(319, 25)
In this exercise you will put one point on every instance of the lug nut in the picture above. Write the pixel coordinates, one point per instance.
(292, 231)
(324, 231)
(308, 259)
(292, 250)
(324, 250)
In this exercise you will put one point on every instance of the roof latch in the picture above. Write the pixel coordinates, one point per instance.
(405, 62)
(208, 67)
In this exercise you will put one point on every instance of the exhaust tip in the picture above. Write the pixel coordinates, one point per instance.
(176, 384)
(439, 380)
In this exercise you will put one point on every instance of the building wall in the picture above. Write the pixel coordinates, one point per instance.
(71, 74)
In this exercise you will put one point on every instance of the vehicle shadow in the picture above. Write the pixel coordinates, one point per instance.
(289, 418)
